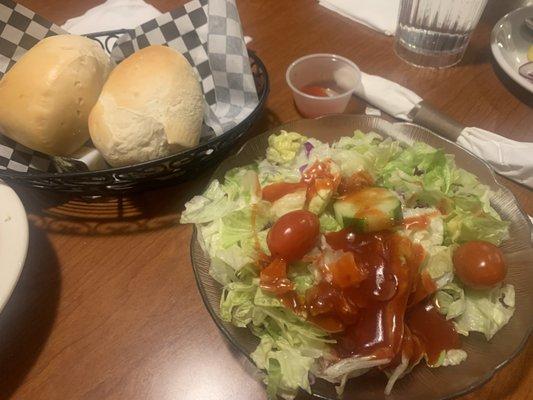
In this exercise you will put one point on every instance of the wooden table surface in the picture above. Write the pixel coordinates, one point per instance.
(107, 307)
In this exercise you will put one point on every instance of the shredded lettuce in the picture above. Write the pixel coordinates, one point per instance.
(208, 206)
(347, 368)
(464, 226)
(396, 374)
(288, 347)
(484, 311)
(290, 202)
(450, 300)
(236, 305)
(350, 162)
(427, 177)
(302, 277)
(430, 237)
(270, 173)
(287, 368)
(439, 265)
(320, 201)
(282, 148)
(450, 357)
(239, 224)
(328, 223)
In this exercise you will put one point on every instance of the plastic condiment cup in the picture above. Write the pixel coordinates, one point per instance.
(336, 75)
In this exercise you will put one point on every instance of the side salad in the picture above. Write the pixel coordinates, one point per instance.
(363, 254)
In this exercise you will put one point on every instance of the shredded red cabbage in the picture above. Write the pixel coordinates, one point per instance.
(308, 147)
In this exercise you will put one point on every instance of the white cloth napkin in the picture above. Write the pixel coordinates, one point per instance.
(388, 96)
(111, 15)
(507, 157)
(380, 15)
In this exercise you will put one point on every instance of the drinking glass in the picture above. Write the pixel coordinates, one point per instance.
(435, 33)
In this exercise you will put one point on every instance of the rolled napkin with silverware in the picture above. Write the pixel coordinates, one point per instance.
(507, 157)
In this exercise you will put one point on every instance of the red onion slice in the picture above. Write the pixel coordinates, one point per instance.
(526, 70)
(308, 147)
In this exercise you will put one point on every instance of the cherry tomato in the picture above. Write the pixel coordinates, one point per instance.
(293, 235)
(479, 264)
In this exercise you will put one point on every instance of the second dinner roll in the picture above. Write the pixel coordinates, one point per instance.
(150, 107)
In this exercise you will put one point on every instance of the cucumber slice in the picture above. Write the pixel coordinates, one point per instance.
(368, 210)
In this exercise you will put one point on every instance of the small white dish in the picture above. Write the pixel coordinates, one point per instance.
(13, 241)
(509, 42)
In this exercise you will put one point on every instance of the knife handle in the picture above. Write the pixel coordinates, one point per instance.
(443, 125)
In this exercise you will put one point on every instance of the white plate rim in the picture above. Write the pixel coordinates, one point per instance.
(13, 241)
(496, 52)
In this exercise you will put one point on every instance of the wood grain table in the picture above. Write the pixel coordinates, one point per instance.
(107, 307)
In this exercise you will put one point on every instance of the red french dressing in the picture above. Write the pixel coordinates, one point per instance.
(355, 182)
(419, 222)
(434, 332)
(424, 287)
(273, 278)
(391, 264)
(374, 302)
(277, 190)
(317, 176)
(315, 90)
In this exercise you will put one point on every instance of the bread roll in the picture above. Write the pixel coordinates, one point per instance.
(46, 97)
(150, 107)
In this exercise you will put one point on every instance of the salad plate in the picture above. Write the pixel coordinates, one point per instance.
(508, 331)
(13, 241)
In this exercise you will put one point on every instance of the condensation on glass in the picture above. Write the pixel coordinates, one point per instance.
(435, 33)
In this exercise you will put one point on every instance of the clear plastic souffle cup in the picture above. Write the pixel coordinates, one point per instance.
(322, 84)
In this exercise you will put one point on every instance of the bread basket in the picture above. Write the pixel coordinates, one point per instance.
(172, 169)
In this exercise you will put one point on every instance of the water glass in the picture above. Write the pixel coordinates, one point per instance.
(435, 33)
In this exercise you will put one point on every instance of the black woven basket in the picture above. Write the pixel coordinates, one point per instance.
(171, 169)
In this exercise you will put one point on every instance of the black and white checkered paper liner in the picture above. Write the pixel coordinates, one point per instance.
(207, 32)
(209, 35)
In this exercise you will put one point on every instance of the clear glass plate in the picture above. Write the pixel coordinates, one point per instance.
(424, 383)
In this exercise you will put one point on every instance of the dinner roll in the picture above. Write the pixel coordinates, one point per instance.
(151, 106)
(46, 97)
